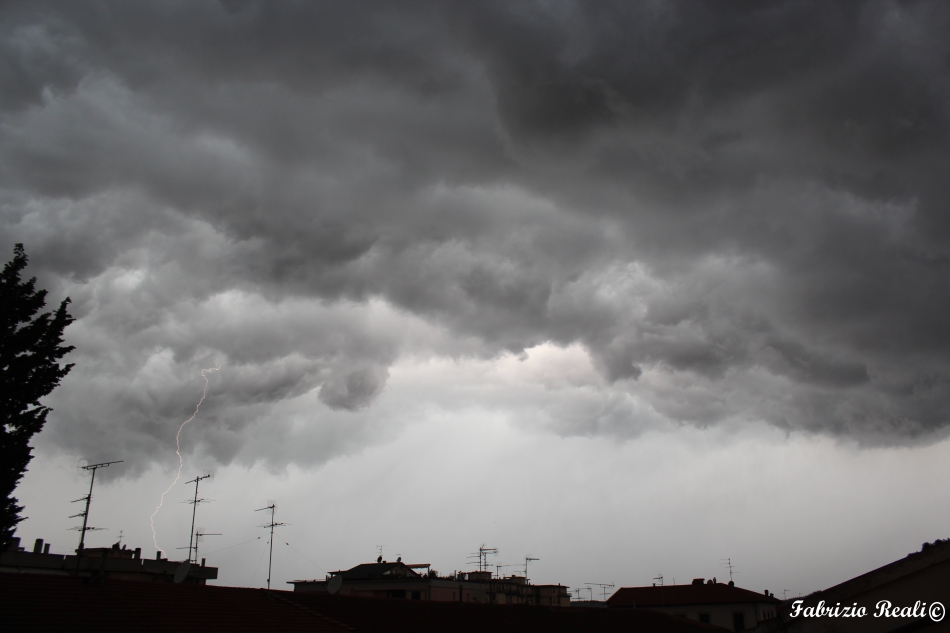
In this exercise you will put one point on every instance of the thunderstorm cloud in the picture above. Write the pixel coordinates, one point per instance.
(698, 213)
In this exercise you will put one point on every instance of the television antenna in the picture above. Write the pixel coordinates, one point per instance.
(272, 507)
(659, 577)
(498, 569)
(482, 556)
(198, 536)
(193, 545)
(527, 559)
(379, 550)
(88, 499)
(604, 587)
(728, 563)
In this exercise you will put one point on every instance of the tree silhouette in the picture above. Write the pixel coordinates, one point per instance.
(30, 347)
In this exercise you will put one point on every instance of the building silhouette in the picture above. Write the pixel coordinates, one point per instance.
(384, 579)
(705, 601)
(117, 563)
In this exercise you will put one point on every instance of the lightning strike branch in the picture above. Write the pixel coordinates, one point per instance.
(204, 392)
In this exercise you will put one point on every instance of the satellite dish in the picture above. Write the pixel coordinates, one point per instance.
(334, 584)
(182, 572)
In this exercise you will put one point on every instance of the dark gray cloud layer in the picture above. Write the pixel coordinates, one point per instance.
(739, 210)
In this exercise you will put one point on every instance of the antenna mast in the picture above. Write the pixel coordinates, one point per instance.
(728, 563)
(482, 556)
(198, 535)
(527, 559)
(88, 499)
(483, 553)
(604, 586)
(659, 577)
(194, 509)
(272, 507)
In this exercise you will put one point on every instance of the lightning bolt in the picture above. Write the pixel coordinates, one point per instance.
(204, 392)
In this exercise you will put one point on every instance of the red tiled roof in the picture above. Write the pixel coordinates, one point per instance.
(58, 603)
(676, 595)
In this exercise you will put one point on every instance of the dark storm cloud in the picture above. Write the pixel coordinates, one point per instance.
(739, 210)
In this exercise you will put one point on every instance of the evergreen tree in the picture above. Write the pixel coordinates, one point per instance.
(30, 347)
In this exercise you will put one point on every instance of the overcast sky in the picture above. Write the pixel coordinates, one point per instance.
(628, 287)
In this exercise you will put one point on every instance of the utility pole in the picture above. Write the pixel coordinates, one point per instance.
(88, 499)
(194, 510)
(272, 507)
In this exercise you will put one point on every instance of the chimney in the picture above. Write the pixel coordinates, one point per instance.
(38, 546)
(158, 555)
(203, 562)
(138, 553)
(46, 549)
(698, 581)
